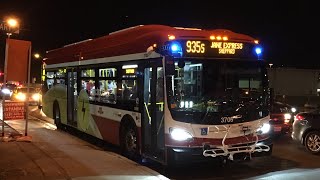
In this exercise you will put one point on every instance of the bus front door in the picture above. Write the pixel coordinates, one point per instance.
(153, 113)
(72, 97)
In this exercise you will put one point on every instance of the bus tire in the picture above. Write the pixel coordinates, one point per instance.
(56, 115)
(129, 140)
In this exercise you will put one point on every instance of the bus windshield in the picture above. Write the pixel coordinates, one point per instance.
(218, 92)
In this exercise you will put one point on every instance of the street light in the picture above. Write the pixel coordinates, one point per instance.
(38, 57)
(12, 23)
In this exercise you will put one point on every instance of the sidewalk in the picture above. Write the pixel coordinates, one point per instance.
(23, 157)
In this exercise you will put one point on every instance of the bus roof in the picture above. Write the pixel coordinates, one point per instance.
(132, 40)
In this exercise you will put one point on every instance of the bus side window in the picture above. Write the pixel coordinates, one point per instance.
(89, 86)
(128, 90)
(108, 91)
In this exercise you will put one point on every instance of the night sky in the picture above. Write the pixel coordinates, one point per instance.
(287, 30)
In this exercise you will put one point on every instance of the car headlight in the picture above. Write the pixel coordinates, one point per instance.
(293, 110)
(6, 91)
(21, 97)
(179, 134)
(36, 97)
(287, 116)
(264, 129)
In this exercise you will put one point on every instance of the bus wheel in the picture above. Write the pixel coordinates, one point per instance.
(128, 141)
(56, 115)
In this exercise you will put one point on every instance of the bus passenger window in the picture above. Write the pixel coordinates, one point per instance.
(108, 90)
(128, 90)
(89, 86)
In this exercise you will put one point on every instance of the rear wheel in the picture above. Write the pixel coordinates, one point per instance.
(129, 141)
(312, 142)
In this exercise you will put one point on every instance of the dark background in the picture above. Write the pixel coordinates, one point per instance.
(286, 29)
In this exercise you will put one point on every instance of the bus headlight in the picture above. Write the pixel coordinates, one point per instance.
(179, 134)
(264, 129)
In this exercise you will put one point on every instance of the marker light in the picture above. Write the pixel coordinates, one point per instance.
(171, 37)
(225, 38)
(218, 37)
(212, 37)
(179, 134)
(258, 50)
(256, 41)
(176, 49)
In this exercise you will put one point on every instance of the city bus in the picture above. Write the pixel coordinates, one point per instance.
(168, 94)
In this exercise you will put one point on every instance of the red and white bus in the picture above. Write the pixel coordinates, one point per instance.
(170, 94)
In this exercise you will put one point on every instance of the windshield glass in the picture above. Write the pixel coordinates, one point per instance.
(218, 92)
(25, 90)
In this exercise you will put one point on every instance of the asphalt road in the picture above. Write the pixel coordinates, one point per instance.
(288, 161)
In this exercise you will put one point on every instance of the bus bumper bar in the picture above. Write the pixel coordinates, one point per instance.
(215, 152)
(230, 150)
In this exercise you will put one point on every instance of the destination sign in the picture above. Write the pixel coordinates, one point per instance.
(200, 48)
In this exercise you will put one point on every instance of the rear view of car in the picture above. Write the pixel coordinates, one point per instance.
(306, 130)
(282, 116)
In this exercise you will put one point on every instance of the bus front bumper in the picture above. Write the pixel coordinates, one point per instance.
(196, 155)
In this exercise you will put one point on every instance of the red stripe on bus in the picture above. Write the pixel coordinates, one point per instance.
(109, 129)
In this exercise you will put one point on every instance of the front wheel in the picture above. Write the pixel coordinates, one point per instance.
(129, 142)
(312, 142)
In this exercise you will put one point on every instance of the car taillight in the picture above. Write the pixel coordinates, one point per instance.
(299, 117)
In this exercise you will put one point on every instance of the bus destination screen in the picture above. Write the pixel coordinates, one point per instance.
(201, 48)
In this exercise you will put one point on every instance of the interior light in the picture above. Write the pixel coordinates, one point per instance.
(129, 66)
(182, 104)
(191, 104)
(187, 104)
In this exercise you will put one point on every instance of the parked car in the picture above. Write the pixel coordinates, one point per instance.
(281, 117)
(306, 130)
(20, 94)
